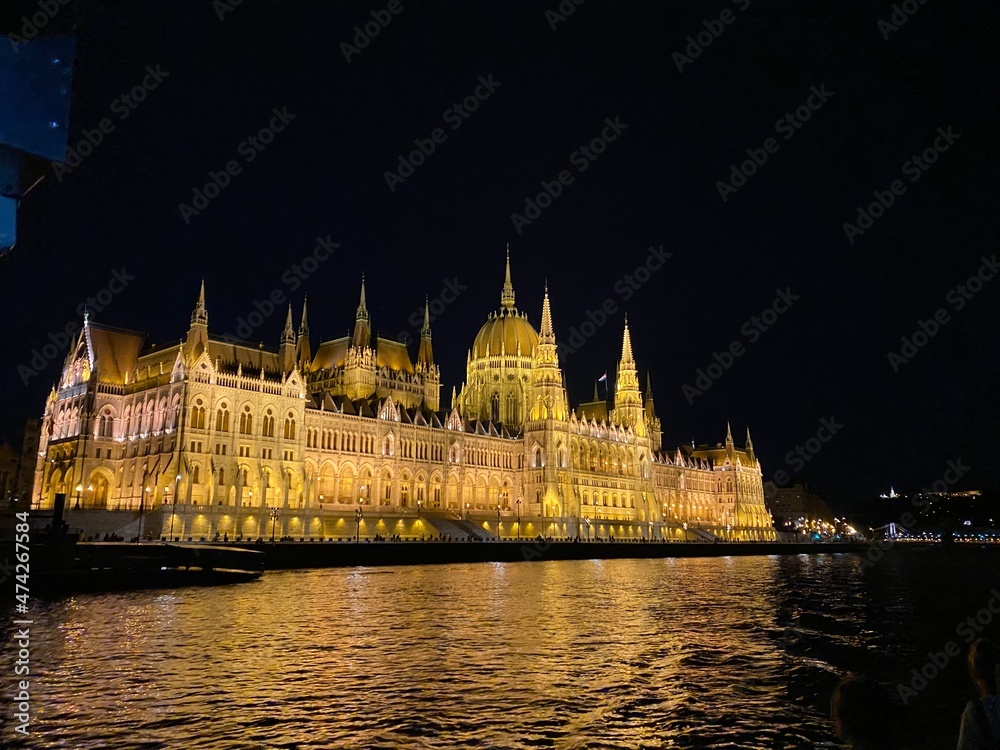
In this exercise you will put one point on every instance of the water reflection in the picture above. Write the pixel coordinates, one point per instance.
(727, 652)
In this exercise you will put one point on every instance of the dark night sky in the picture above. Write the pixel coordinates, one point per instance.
(324, 176)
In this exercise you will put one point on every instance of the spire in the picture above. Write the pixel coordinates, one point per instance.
(729, 434)
(303, 353)
(426, 354)
(362, 308)
(426, 329)
(200, 314)
(627, 359)
(453, 399)
(749, 443)
(288, 335)
(304, 325)
(649, 407)
(628, 399)
(507, 295)
(362, 329)
(596, 397)
(547, 335)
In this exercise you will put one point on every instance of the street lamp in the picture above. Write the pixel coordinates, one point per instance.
(685, 525)
(173, 512)
(79, 489)
(274, 513)
(142, 501)
(498, 524)
(467, 506)
(357, 513)
(519, 519)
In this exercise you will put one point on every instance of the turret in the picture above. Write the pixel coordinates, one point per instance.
(286, 348)
(426, 354)
(652, 421)
(650, 410)
(197, 337)
(748, 447)
(507, 293)
(547, 398)
(303, 353)
(362, 326)
(628, 399)
(425, 363)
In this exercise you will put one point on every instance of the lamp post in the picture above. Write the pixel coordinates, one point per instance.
(142, 505)
(357, 513)
(685, 525)
(274, 513)
(519, 519)
(498, 523)
(173, 510)
(467, 506)
(79, 489)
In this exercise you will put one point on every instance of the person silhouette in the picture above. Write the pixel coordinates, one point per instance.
(980, 727)
(864, 715)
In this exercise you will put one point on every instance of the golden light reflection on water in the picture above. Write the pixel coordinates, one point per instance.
(624, 653)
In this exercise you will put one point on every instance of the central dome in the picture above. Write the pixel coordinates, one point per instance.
(506, 332)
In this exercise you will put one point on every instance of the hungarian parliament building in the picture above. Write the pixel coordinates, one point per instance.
(226, 440)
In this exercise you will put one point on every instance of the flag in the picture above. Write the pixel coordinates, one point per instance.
(603, 377)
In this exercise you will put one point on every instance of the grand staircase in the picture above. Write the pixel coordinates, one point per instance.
(450, 523)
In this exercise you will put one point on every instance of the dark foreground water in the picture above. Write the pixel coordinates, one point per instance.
(719, 652)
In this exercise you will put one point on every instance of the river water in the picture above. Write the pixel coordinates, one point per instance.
(738, 652)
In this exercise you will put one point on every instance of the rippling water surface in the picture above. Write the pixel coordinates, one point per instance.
(717, 652)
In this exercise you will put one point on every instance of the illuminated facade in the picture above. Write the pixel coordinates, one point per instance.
(224, 438)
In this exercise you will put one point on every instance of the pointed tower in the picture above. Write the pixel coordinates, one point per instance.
(197, 336)
(286, 347)
(425, 366)
(426, 354)
(730, 446)
(546, 428)
(547, 397)
(362, 325)
(507, 293)
(359, 361)
(653, 428)
(303, 353)
(628, 400)
(748, 447)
